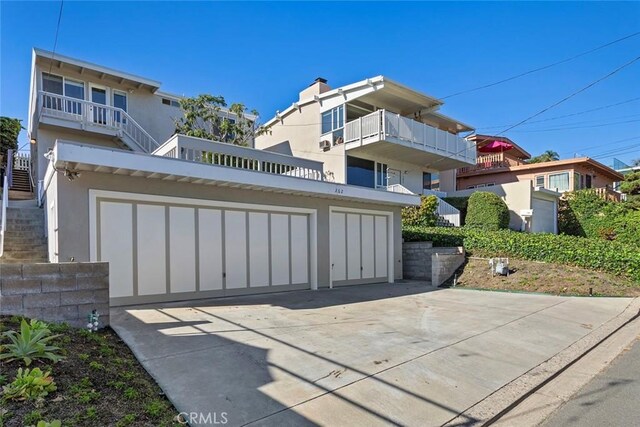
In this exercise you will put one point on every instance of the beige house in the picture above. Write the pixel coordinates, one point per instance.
(178, 217)
(561, 175)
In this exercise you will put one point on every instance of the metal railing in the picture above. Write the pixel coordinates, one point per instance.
(228, 155)
(385, 125)
(92, 114)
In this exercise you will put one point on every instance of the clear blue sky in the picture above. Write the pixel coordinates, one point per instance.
(262, 54)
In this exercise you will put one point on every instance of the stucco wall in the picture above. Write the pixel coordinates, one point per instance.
(73, 210)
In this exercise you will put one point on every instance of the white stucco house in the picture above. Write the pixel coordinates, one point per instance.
(178, 217)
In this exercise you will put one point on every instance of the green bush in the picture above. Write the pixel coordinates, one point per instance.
(613, 257)
(423, 215)
(487, 211)
(584, 214)
(460, 203)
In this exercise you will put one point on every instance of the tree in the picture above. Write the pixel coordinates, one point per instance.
(9, 131)
(203, 117)
(547, 156)
(631, 184)
(635, 162)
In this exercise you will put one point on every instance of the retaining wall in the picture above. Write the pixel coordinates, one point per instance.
(65, 292)
(421, 261)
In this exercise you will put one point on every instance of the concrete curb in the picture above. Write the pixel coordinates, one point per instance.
(498, 403)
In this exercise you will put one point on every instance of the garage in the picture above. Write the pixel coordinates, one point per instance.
(168, 248)
(360, 246)
(544, 216)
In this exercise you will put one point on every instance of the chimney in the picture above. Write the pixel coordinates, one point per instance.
(318, 86)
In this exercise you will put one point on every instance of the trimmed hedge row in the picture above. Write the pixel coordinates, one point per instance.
(613, 257)
(487, 211)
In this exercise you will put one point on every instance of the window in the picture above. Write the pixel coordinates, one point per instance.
(430, 181)
(491, 184)
(360, 172)
(559, 182)
(382, 175)
(52, 84)
(171, 102)
(119, 101)
(73, 89)
(588, 181)
(540, 181)
(576, 181)
(333, 119)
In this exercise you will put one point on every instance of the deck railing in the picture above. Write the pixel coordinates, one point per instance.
(222, 154)
(92, 114)
(21, 161)
(385, 125)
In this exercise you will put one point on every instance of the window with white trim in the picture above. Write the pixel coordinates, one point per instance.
(332, 121)
(539, 181)
(559, 181)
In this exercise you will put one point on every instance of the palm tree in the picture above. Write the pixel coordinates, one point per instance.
(635, 162)
(547, 156)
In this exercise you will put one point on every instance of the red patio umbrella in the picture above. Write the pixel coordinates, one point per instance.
(495, 147)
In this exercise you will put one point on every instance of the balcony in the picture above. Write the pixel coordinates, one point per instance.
(85, 115)
(234, 156)
(488, 162)
(396, 137)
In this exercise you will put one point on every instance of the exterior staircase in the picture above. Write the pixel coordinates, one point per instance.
(24, 240)
(443, 222)
(21, 189)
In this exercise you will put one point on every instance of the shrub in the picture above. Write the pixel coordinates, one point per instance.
(423, 215)
(31, 343)
(487, 211)
(29, 384)
(613, 257)
(584, 214)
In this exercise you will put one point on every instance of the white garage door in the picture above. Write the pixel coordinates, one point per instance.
(544, 216)
(161, 251)
(360, 248)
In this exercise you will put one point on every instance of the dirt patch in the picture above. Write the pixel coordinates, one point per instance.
(100, 383)
(556, 279)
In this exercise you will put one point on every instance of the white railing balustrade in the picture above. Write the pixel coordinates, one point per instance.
(385, 125)
(397, 188)
(21, 161)
(448, 212)
(228, 155)
(92, 114)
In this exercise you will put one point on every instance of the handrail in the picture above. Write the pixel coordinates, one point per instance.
(9, 170)
(101, 115)
(5, 203)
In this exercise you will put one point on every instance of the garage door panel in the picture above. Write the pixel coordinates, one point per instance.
(299, 249)
(116, 248)
(368, 248)
(235, 230)
(151, 250)
(210, 249)
(338, 246)
(382, 246)
(279, 249)
(353, 247)
(182, 248)
(258, 249)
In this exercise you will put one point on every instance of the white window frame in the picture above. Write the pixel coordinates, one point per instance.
(568, 173)
(535, 180)
(115, 92)
(64, 83)
(334, 126)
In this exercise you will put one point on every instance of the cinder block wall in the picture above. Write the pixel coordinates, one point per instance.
(421, 261)
(65, 292)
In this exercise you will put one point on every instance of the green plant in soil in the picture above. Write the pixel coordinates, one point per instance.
(29, 384)
(32, 342)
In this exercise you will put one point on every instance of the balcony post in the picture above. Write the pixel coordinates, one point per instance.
(360, 130)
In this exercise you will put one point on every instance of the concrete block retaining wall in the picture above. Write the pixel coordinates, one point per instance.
(421, 261)
(65, 292)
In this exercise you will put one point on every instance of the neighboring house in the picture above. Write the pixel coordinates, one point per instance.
(560, 175)
(179, 217)
(374, 133)
(77, 100)
(532, 209)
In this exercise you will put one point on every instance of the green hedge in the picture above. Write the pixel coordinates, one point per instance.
(613, 257)
(423, 215)
(584, 214)
(487, 211)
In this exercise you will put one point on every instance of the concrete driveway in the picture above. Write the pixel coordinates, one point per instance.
(363, 355)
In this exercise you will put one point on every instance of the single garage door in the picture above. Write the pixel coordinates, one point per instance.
(360, 248)
(161, 251)
(544, 216)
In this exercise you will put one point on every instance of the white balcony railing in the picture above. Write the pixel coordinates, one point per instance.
(90, 114)
(222, 154)
(385, 125)
(21, 161)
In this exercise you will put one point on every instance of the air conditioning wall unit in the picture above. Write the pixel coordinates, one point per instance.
(325, 145)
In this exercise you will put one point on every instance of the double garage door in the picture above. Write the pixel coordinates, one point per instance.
(360, 248)
(161, 251)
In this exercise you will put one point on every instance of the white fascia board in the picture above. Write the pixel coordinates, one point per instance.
(66, 153)
(45, 54)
